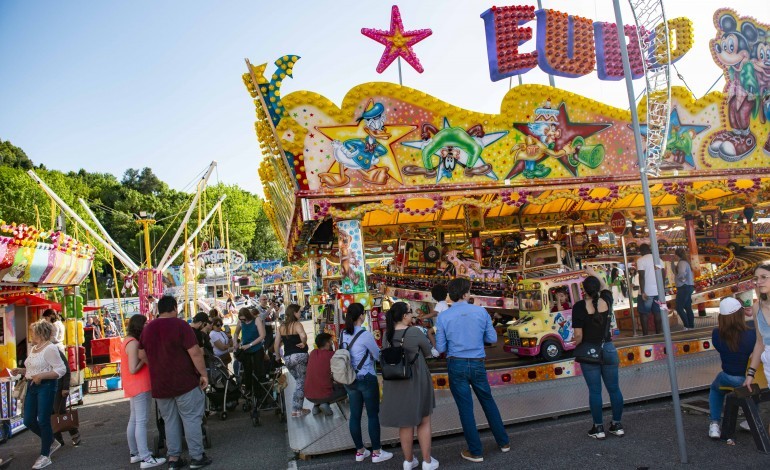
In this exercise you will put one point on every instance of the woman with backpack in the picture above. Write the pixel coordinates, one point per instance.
(396, 411)
(365, 390)
(591, 321)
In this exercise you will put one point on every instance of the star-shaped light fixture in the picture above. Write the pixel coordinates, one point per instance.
(397, 42)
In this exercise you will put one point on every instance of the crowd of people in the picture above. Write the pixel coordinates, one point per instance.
(458, 332)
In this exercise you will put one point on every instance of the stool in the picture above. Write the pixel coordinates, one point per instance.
(748, 400)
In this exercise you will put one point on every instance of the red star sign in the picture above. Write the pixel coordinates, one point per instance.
(398, 43)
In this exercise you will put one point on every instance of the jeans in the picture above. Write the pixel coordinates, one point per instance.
(684, 305)
(364, 391)
(38, 406)
(594, 374)
(465, 375)
(136, 432)
(644, 314)
(717, 396)
(297, 365)
(184, 411)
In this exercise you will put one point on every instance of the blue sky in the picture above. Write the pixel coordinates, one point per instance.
(108, 85)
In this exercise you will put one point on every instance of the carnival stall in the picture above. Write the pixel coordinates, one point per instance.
(38, 270)
(455, 192)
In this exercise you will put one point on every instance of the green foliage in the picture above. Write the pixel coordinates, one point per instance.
(13, 156)
(115, 202)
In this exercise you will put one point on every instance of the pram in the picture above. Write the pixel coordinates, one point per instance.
(267, 392)
(223, 392)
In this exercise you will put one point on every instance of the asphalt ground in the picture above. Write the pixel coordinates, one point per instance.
(547, 444)
(563, 443)
(236, 444)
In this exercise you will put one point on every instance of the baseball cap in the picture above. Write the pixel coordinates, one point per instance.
(200, 317)
(729, 305)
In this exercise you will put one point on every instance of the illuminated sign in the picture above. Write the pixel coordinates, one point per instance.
(566, 45)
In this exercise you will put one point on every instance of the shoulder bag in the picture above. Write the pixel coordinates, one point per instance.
(394, 362)
(66, 421)
(593, 353)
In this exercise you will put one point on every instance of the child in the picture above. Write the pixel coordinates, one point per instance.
(427, 320)
(562, 301)
(319, 387)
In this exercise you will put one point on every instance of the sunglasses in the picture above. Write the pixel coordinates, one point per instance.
(241, 318)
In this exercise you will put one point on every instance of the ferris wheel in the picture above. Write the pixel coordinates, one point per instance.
(654, 42)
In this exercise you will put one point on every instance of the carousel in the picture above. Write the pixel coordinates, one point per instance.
(523, 201)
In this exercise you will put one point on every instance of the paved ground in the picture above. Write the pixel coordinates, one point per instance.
(235, 443)
(563, 443)
(547, 444)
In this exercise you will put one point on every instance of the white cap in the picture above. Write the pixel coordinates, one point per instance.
(729, 305)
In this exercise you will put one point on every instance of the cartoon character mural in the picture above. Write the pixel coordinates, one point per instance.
(564, 326)
(679, 145)
(737, 48)
(365, 151)
(552, 134)
(352, 266)
(453, 146)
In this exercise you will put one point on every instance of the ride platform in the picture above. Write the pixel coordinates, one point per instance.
(529, 391)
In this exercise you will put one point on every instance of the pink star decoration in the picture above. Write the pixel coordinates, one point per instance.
(398, 43)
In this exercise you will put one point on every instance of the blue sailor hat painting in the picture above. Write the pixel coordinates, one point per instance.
(372, 110)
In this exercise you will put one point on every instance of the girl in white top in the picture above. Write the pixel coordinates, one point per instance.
(44, 366)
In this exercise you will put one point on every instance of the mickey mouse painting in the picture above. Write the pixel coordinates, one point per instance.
(732, 50)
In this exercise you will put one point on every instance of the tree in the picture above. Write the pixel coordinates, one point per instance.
(143, 181)
(265, 244)
(13, 156)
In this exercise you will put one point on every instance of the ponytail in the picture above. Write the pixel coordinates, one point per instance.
(592, 285)
(394, 316)
(355, 310)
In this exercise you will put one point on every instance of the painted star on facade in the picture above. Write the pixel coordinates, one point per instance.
(568, 131)
(397, 42)
(358, 132)
(680, 137)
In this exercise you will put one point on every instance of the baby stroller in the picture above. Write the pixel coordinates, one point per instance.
(267, 392)
(223, 391)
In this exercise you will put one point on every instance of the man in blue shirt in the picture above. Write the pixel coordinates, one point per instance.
(461, 332)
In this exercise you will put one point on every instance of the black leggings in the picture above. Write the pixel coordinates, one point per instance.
(253, 365)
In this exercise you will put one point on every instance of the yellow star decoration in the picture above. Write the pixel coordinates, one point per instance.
(343, 133)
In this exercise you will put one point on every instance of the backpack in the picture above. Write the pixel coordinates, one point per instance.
(394, 362)
(342, 370)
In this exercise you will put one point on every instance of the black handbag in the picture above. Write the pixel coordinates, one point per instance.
(593, 353)
(394, 362)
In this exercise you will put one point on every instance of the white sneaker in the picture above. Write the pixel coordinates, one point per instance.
(381, 456)
(135, 458)
(360, 457)
(745, 426)
(433, 465)
(714, 431)
(411, 465)
(55, 445)
(42, 462)
(151, 462)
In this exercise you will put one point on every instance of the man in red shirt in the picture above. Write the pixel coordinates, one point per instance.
(178, 377)
(319, 387)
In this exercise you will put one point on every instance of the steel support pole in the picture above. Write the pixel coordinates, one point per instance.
(651, 229)
(629, 285)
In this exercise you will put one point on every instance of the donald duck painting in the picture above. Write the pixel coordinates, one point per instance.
(362, 154)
